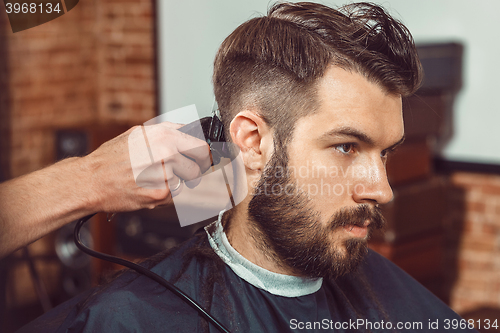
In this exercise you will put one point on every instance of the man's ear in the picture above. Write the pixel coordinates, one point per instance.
(252, 135)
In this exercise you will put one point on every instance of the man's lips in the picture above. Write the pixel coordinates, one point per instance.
(358, 231)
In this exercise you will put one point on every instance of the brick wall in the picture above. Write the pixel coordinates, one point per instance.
(473, 234)
(126, 61)
(93, 65)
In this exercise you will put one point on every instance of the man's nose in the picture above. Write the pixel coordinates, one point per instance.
(372, 184)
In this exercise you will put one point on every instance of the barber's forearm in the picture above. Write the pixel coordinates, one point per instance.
(103, 181)
(33, 205)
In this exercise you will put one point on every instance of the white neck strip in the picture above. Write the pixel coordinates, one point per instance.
(274, 283)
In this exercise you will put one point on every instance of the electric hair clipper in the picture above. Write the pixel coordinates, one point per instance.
(213, 134)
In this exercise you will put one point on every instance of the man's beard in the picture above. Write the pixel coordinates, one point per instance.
(289, 231)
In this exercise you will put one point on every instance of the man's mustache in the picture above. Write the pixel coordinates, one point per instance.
(357, 216)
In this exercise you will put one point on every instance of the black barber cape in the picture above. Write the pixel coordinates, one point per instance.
(376, 297)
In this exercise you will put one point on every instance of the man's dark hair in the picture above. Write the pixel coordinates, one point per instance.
(271, 64)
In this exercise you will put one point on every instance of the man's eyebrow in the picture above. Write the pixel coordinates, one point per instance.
(348, 131)
(352, 132)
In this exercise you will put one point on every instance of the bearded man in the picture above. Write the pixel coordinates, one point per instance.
(301, 91)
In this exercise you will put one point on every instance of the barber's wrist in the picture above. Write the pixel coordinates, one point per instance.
(90, 194)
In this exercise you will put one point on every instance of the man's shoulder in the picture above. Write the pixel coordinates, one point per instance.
(122, 304)
(387, 276)
(180, 266)
(395, 293)
(387, 279)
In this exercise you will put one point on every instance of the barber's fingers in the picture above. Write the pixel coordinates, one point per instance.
(165, 143)
(191, 146)
(184, 168)
(194, 148)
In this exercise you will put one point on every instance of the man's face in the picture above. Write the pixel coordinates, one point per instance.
(316, 203)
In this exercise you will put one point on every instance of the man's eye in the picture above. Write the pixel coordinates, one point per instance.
(345, 148)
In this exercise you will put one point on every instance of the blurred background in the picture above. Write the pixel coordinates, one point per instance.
(75, 82)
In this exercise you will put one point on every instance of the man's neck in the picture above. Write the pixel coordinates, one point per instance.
(249, 242)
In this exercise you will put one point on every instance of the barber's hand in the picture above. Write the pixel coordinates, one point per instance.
(144, 167)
